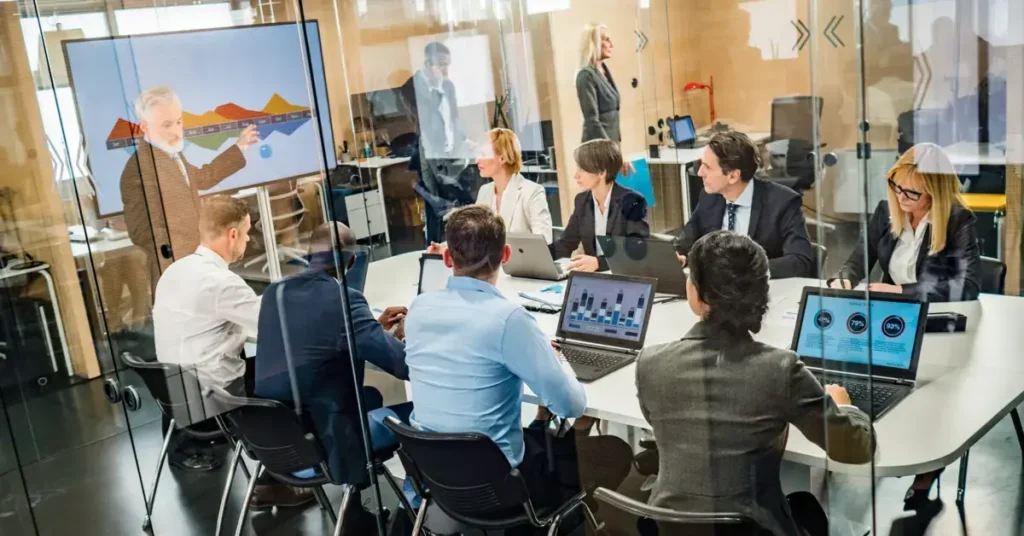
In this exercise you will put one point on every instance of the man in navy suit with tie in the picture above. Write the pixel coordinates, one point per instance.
(734, 200)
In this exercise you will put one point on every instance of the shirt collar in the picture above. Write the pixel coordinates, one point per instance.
(746, 199)
(925, 221)
(208, 253)
(472, 284)
(606, 199)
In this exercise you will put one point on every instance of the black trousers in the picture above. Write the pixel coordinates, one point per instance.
(808, 513)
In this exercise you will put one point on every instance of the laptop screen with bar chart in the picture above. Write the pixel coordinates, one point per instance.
(607, 309)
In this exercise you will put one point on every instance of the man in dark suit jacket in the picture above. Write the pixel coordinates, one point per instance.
(432, 106)
(310, 306)
(160, 188)
(768, 213)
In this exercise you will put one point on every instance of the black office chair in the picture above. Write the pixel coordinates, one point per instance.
(179, 398)
(656, 521)
(793, 121)
(491, 496)
(993, 276)
(272, 434)
(820, 256)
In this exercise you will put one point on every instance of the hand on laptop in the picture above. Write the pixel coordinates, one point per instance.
(841, 284)
(882, 287)
(838, 394)
(583, 263)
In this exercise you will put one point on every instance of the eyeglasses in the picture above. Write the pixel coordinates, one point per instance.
(912, 195)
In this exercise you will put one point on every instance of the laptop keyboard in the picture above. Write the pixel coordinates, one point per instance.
(864, 396)
(591, 358)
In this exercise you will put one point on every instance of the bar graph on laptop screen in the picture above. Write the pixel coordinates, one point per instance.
(607, 308)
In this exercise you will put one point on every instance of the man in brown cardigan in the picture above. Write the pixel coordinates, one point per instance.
(160, 189)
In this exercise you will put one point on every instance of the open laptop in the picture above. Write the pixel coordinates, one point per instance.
(684, 136)
(604, 321)
(433, 273)
(532, 258)
(646, 257)
(839, 331)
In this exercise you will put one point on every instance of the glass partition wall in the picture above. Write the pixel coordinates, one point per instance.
(376, 115)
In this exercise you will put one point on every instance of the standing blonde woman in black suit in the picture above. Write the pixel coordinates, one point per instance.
(595, 88)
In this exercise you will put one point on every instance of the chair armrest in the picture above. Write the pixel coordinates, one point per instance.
(663, 236)
(639, 509)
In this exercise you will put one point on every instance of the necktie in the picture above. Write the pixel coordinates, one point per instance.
(181, 167)
(731, 209)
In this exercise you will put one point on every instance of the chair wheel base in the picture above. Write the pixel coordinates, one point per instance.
(147, 524)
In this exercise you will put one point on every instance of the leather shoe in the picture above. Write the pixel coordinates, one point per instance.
(266, 496)
(197, 462)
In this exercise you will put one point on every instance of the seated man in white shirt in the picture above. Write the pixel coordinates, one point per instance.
(202, 315)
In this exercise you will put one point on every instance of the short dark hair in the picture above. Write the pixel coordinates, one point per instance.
(476, 240)
(736, 151)
(433, 52)
(599, 156)
(730, 273)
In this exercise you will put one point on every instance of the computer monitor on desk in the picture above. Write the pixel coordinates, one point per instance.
(683, 133)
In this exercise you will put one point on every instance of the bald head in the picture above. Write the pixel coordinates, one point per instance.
(322, 241)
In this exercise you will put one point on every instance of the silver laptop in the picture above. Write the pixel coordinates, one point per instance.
(870, 347)
(604, 322)
(531, 258)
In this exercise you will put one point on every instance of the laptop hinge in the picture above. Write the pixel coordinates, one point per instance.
(859, 376)
(596, 346)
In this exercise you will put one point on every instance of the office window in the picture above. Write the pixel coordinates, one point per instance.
(173, 18)
(91, 24)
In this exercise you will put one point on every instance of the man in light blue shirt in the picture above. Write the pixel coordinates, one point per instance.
(469, 350)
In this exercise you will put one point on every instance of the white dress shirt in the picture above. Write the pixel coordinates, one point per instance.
(601, 219)
(743, 205)
(903, 264)
(202, 315)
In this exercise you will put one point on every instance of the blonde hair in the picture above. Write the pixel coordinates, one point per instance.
(590, 44)
(152, 97)
(926, 166)
(507, 149)
(219, 214)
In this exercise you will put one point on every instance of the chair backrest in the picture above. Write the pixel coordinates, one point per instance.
(270, 431)
(993, 276)
(657, 521)
(466, 474)
(175, 390)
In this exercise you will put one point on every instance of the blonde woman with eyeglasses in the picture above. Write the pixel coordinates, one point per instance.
(923, 237)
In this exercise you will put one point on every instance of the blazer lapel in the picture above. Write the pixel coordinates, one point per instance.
(609, 79)
(755, 207)
(717, 211)
(614, 209)
(926, 244)
(511, 200)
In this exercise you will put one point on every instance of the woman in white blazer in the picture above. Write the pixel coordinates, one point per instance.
(520, 202)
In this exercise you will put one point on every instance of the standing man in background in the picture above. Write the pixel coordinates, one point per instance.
(160, 189)
(430, 103)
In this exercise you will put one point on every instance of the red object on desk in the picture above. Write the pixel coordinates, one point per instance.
(711, 93)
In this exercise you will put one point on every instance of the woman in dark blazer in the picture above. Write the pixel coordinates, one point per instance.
(925, 242)
(604, 208)
(923, 238)
(721, 403)
(595, 88)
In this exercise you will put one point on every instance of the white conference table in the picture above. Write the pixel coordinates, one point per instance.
(967, 381)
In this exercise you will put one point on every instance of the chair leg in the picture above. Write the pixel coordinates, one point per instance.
(345, 499)
(1019, 429)
(398, 491)
(420, 516)
(325, 503)
(961, 487)
(227, 487)
(588, 514)
(147, 523)
(553, 529)
(248, 497)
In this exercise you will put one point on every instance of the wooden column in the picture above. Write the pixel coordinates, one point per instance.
(1014, 157)
(25, 168)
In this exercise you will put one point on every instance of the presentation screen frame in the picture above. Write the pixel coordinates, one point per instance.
(321, 116)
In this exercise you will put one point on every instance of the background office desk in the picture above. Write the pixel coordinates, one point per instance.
(966, 381)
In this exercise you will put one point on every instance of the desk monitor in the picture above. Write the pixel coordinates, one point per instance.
(683, 133)
(433, 273)
(866, 333)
